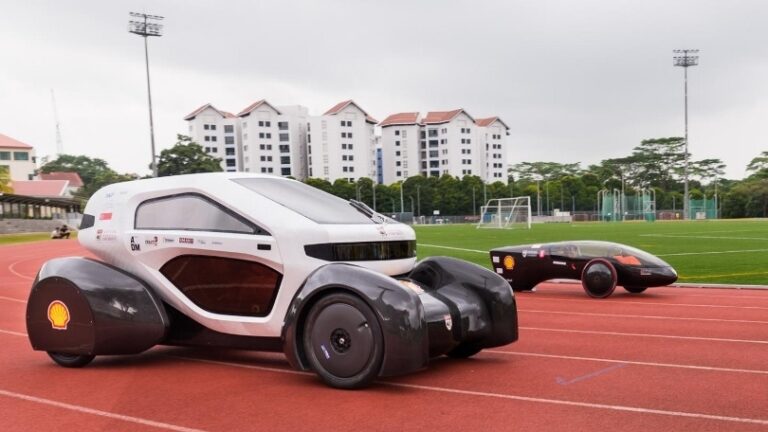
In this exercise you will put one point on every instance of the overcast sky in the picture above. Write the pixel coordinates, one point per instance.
(575, 80)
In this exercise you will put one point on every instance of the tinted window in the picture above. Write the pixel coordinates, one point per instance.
(191, 212)
(310, 202)
(224, 285)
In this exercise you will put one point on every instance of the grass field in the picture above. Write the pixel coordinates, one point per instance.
(728, 251)
(23, 238)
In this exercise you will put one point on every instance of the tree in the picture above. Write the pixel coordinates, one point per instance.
(186, 157)
(5, 180)
(87, 168)
(101, 180)
(759, 165)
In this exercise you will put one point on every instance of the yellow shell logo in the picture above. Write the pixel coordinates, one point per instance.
(58, 315)
(509, 262)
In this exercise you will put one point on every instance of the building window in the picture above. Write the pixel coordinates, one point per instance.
(397, 153)
(245, 125)
(343, 134)
(213, 138)
(283, 137)
(207, 149)
(285, 160)
(261, 123)
(433, 133)
(229, 129)
(397, 143)
(215, 150)
(229, 140)
(261, 135)
(230, 152)
(5, 155)
(285, 171)
(399, 174)
(282, 125)
(206, 127)
(284, 148)
(207, 138)
(230, 162)
(397, 133)
(213, 127)
(398, 163)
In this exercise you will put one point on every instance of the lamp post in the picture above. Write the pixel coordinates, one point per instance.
(145, 27)
(373, 186)
(418, 200)
(685, 61)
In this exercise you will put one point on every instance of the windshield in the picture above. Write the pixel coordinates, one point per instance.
(308, 201)
(594, 249)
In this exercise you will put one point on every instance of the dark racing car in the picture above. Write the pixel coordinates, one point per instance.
(599, 265)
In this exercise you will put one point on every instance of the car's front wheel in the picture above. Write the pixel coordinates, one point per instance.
(70, 360)
(342, 341)
(599, 278)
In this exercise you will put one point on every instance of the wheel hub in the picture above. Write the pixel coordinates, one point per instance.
(340, 340)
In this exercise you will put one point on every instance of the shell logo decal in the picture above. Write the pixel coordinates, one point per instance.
(509, 262)
(58, 315)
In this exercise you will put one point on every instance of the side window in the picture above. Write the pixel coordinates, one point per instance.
(191, 212)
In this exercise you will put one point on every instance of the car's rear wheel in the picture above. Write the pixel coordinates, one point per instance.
(343, 342)
(599, 278)
(635, 289)
(70, 360)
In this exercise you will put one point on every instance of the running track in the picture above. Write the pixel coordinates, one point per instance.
(672, 359)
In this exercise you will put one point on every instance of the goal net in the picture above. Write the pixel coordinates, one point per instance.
(506, 213)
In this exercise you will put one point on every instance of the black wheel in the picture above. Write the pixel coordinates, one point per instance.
(635, 289)
(463, 351)
(599, 278)
(70, 360)
(343, 341)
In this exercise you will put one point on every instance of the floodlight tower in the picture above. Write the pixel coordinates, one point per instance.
(146, 26)
(685, 61)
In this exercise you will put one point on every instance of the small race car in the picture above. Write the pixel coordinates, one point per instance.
(599, 265)
(263, 263)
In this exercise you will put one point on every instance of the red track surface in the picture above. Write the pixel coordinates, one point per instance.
(669, 359)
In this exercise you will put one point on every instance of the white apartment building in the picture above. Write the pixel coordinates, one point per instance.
(449, 142)
(400, 146)
(18, 158)
(341, 143)
(274, 139)
(492, 133)
(217, 131)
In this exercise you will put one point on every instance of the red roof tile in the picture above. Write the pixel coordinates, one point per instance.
(40, 188)
(195, 113)
(8, 142)
(437, 117)
(73, 177)
(341, 105)
(485, 122)
(406, 118)
(255, 105)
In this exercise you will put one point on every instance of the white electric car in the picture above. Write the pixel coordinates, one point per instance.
(266, 263)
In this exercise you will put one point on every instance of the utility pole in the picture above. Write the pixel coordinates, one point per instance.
(418, 200)
(59, 141)
(685, 61)
(145, 27)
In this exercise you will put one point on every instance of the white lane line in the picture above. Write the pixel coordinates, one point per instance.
(12, 299)
(516, 397)
(452, 248)
(658, 317)
(646, 335)
(13, 333)
(96, 412)
(703, 237)
(713, 252)
(653, 304)
(12, 270)
(632, 362)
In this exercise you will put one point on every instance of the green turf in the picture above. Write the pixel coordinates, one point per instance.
(727, 251)
(26, 237)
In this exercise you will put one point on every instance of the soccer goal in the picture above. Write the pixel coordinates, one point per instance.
(506, 213)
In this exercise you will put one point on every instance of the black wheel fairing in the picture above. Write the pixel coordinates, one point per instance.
(400, 313)
(111, 311)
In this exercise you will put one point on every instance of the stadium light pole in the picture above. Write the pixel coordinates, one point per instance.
(146, 26)
(685, 61)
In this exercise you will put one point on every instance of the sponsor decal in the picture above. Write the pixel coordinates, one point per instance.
(201, 241)
(509, 262)
(561, 263)
(495, 259)
(58, 315)
(186, 240)
(645, 272)
(542, 253)
(105, 216)
(109, 195)
(536, 246)
(106, 235)
(169, 240)
(382, 231)
(217, 243)
(530, 253)
(448, 322)
(135, 246)
(153, 241)
(499, 270)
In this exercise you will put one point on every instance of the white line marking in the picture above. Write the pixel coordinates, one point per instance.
(514, 397)
(642, 316)
(713, 252)
(11, 269)
(654, 304)
(639, 363)
(13, 333)
(452, 248)
(12, 299)
(646, 335)
(100, 413)
(703, 237)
